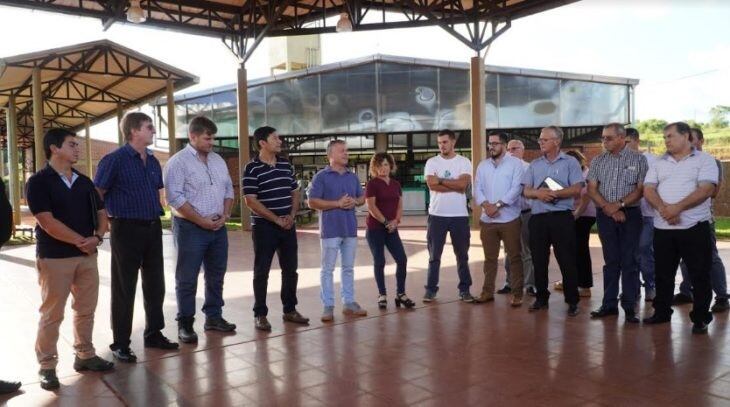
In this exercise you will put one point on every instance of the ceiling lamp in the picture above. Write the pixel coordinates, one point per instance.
(135, 14)
(344, 25)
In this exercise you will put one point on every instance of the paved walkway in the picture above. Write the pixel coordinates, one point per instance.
(446, 353)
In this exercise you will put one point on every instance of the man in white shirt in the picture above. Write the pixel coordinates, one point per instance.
(679, 186)
(497, 190)
(448, 175)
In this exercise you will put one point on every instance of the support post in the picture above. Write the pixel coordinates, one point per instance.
(89, 163)
(478, 123)
(40, 156)
(381, 143)
(172, 140)
(14, 176)
(120, 115)
(244, 154)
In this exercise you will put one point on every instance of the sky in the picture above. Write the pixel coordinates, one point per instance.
(678, 49)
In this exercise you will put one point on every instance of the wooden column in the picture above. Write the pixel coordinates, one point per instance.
(40, 155)
(2, 163)
(172, 140)
(14, 176)
(89, 162)
(478, 123)
(120, 115)
(381, 143)
(244, 154)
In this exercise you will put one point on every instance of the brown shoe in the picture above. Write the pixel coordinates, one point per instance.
(295, 317)
(516, 301)
(558, 286)
(584, 292)
(261, 323)
(484, 297)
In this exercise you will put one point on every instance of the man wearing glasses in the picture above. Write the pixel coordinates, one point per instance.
(552, 182)
(199, 190)
(497, 190)
(615, 184)
(130, 179)
(516, 149)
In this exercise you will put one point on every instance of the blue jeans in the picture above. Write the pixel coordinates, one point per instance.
(378, 240)
(645, 254)
(717, 272)
(195, 247)
(620, 242)
(346, 247)
(458, 228)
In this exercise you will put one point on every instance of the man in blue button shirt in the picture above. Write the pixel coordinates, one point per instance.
(497, 190)
(552, 182)
(130, 180)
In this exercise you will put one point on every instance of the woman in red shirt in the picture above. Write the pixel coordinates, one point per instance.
(385, 207)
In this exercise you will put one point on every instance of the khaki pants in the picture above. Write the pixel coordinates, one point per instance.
(491, 235)
(57, 278)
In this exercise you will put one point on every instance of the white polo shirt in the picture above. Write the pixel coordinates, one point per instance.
(675, 180)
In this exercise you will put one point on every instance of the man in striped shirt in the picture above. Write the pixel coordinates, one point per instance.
(615, 182)
(272, 194)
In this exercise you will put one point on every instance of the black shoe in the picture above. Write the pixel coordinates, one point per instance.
(403, 300)
(604, 312)
(9, 387)
(505, 290)
(573, 310)
(466, 297)
(295, 317)
(159, 341)
(680, 299)
(261, 323)
(219, 324)
(656, 319)
(185, 331)
(721, 305)
(49, 380)
(699, 328)
(124, 355)
(538, 305)
(631, 318)
(95, 364)
(531, 291)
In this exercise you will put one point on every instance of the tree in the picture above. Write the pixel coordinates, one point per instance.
(719, 116)
(651, 126)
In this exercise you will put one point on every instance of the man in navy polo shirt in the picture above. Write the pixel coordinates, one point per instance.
(130, 180)
(335, 192)
(272, 193)
(71, 222)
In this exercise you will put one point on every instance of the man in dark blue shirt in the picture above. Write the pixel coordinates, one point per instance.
(130, 179)
(71, 223)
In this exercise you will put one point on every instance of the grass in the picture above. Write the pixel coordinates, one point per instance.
(717, 143)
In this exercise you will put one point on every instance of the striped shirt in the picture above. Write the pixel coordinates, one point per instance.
(132, 187)
(675, 180)
(272, 186)
(204, 185)
(618, 175)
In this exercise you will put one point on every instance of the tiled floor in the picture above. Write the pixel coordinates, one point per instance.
(448, 353)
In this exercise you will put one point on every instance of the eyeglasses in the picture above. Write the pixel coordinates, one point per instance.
(494, 143)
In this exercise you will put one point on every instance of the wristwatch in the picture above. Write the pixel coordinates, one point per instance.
(623, 204)
(101, 239)
(499, 204)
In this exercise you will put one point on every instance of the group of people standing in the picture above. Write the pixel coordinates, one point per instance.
(529, 207)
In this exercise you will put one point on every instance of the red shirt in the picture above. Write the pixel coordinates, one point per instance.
(386, 197)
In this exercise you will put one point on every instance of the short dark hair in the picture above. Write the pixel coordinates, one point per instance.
(55, 137)
(132, 121)
(503, 135)
(447, 132)
(682, 128)
(698, 131)
(632, 133)
(262, 134)
(201, 125)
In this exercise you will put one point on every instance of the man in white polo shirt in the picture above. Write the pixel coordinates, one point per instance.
(679, 186)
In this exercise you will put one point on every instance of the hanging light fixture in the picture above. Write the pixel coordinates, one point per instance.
(344, 24)
(135, 14)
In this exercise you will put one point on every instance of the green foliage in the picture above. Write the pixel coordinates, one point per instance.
(719, 115)
(650, 126)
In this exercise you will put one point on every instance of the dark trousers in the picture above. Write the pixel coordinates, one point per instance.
(458, 228)
(136, 245)
(378, 240)
(583, 262)
(268, 239)
(694, 246)
(556, 229)
(620, 242)
(198, 247)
